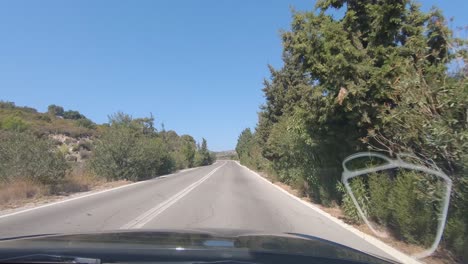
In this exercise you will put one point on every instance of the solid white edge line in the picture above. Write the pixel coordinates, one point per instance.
(90, 194)
(400, 256)
(152, 213)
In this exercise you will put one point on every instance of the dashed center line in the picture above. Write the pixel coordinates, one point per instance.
(152, 213)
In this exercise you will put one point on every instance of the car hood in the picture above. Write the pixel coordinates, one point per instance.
(194, 239)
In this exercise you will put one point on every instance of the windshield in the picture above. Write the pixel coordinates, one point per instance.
(335, 119)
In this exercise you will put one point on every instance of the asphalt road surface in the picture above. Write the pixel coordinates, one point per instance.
(222, 195)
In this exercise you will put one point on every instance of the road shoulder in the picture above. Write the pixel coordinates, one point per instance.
(50, 200)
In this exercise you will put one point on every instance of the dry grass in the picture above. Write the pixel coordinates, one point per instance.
(22, 191)
(26, 193)
(23, 194)
(19, 191)
(78, 180)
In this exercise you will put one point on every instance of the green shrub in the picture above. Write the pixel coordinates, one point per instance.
(85, 154)
(14, 123)
(402, 201)
(408, 203)
(113, 154)
(413, 214)
(379, 191)
(75, 147)
(23, 155)
(347, 205)
(85, 144)
(55, 110)
(124, 153)
(71, 158)
(43, 117)
(57, 142)
(71, 114)
(154, 158)
(455, 238)
(188, 150)
(85, 122)
(180, 160)
(7, 105)
(64, 149)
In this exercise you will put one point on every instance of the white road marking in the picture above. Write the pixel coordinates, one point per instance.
(400, 256)
(152, 213)
(88, 195)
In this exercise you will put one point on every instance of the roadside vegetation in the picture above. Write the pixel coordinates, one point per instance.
(61, 152)
(385, 77)
(132, 149)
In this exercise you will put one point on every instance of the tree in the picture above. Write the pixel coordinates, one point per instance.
(203, 155)
(126, 151)
(249, 150)
(71, 114)
(188, 149)
(120, 119)
(55, 110)
(147, 124)
(85, 122)
(243, 144)
(377, 79)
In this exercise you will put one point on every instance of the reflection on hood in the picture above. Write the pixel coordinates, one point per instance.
(223, 239)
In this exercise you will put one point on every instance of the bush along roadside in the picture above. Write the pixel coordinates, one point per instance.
(131, 149)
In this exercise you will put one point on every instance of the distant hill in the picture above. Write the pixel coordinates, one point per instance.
(226, 154)
(56, 121)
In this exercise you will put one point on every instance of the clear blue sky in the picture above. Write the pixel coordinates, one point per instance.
(198, 66)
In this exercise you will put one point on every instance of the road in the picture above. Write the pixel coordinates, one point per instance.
(222, 195)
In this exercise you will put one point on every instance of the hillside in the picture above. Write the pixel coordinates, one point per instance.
(62, 151)
(70, 123)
